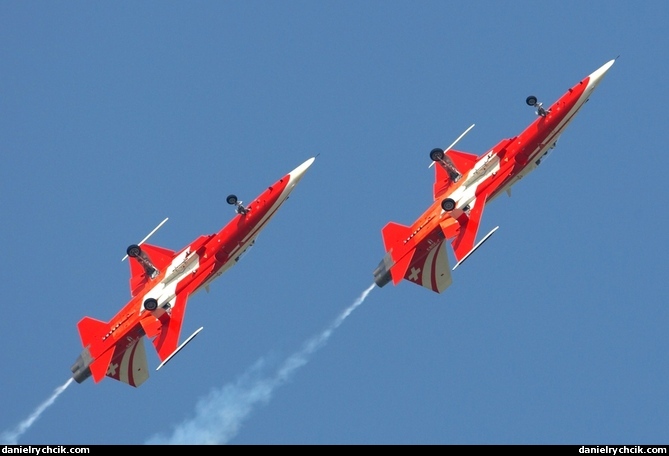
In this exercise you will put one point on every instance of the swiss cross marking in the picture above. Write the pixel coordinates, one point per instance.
(111, 370)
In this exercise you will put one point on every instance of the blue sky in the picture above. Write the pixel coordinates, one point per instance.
(116, 115)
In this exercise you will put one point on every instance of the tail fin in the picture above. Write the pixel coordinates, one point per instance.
(91, 332)
(125, 361)
(394, 236)
(425, 264)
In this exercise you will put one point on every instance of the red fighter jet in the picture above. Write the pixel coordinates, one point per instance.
(161, 281)
(464, 184)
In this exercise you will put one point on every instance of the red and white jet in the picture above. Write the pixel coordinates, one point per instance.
(464, 184)
(161, 281)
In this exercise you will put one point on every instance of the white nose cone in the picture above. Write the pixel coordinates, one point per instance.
(297, 173)
(596, 77)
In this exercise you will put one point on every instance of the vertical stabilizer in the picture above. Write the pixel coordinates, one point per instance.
(91, 332)
(397, 259)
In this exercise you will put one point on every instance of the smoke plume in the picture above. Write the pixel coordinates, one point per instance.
(11, 437)
(219, 415)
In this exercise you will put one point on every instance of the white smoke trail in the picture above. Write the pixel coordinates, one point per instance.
(12, 437)
(219, 416)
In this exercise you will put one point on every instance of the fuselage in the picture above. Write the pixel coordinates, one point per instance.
(195, 267)
(511, 159)
(485, 177)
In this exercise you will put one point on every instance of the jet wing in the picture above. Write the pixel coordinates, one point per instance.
(164, 325)
(469, 226)
(160, 257)
(166, 333)
(454, 162)
(463, 233)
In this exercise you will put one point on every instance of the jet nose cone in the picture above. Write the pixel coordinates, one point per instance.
(596, 77)
(297, 173)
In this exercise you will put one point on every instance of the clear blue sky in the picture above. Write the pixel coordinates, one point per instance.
(116, 115)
